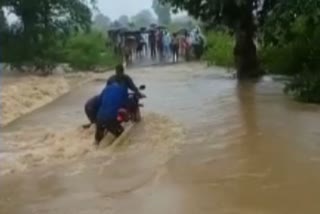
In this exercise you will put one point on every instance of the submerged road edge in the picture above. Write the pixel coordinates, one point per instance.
(45, 104)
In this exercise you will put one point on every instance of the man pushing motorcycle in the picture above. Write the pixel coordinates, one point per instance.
(123, 79)
(104, 108)
(112, 99)
(92, 105)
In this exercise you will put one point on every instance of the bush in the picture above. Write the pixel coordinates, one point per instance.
(83, 51)
(299, 59)
(287, 59)
(88, 50)
(219, 49)
(305, 86)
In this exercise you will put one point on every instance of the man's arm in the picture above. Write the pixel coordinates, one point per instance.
(131, 85)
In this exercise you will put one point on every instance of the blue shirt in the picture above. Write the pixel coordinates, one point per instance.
(112, 98)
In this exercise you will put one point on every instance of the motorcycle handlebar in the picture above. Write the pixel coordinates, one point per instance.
(141, 96)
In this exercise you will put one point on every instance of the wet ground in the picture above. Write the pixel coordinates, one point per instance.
(244, 148)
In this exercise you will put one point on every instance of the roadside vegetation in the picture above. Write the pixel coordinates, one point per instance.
(48, 33)
(266, 36)
(292, 47)
(219, 49)
(258, 36)
(88, 51)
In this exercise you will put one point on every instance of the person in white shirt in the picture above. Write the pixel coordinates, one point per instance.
(167, 43)
(145, 37)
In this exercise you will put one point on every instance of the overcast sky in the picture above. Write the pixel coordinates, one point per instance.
(116, 8)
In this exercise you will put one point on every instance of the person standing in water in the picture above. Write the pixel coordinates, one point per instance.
(152, 42)
(145, 37)
(167, 43)
(175, 47)
(160, 44)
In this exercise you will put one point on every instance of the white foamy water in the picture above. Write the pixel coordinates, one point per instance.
(34, 147)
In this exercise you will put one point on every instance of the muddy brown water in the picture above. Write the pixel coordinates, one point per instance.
(247, 149)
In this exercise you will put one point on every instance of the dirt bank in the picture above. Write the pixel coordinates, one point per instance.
(23, 94)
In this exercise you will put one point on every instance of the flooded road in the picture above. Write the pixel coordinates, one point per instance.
(207, 145)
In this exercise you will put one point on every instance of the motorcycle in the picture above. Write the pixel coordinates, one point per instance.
(132, 111)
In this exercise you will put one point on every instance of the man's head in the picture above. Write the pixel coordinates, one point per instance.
(119, 70)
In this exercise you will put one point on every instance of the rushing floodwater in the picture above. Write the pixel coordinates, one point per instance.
(244, 149)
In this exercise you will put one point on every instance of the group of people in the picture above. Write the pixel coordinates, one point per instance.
(162, 44)
(103, 109)
(159, 43)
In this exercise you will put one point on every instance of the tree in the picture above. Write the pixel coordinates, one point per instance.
(242, 17)
(116, 25)
(185, 22)
(290, 19)
(102, 22)
(124, 20)
(3, 31)
(143, 19)
(291, 46)
(3, 22)
(42, 26)
(162, 10)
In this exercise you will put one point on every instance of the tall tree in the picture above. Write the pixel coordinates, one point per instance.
(3, 21)
(184, 22)
(143, 19)
(162, 10)
(124, 20)
(290, 19)
(102, 22)
(43, 23)
(291, 38)
(240, 16)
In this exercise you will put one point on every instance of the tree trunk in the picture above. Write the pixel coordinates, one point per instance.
(245, 52)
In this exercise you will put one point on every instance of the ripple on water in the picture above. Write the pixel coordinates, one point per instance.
(156, 135)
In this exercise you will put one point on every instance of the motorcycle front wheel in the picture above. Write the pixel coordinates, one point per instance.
(137, 116)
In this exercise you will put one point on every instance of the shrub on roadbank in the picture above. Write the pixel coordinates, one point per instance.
(219, 49)
(82, 51)
(297, 57)
(87, 51)
(299, 60)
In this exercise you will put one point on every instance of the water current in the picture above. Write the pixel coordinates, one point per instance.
(207, 144)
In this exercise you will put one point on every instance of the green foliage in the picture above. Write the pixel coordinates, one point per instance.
(163, 12)
(289, 20)
(242, 17)
(219, 48)
(284, 60)
(295, 51)
(305, 86)
(300, 60)
(289, 31)
(43, 26)
(3, 22)
(227, 12)
(87, 50)
(51, 32)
